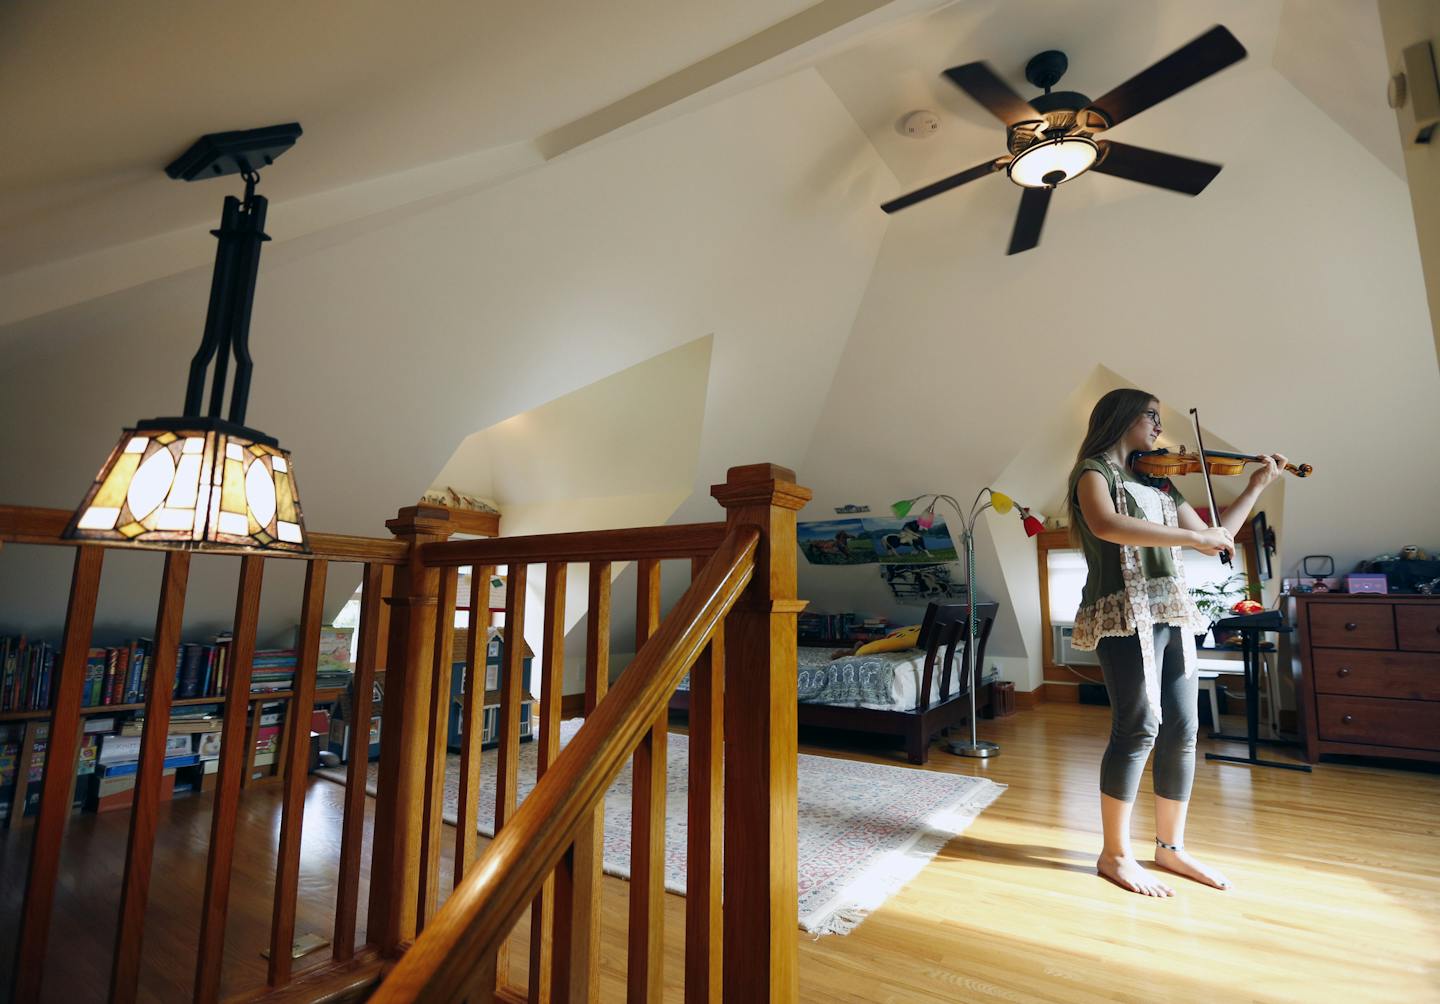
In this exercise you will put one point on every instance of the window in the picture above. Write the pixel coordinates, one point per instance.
(1066, 573)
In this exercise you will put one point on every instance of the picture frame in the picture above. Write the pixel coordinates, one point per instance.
(1264, 546)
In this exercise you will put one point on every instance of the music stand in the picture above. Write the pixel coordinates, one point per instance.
(1251, 626)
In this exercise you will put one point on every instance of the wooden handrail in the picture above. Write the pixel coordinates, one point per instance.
(32, 525)
(482, 910)
(687, 541)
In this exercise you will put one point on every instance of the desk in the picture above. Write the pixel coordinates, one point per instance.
(1251, 627)
(1231, 662)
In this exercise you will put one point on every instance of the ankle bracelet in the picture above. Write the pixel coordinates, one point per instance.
(1169, 847)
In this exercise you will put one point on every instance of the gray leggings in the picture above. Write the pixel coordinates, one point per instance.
(1133, 728)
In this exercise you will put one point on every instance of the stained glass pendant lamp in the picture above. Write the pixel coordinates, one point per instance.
(201, 481)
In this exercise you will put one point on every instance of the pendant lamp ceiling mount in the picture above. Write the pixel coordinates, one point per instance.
(245, 151)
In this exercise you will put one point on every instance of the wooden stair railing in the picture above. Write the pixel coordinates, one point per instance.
(480, 912)
(736, 627)
(44, 527)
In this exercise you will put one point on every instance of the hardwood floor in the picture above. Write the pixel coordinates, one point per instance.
(1337, 891)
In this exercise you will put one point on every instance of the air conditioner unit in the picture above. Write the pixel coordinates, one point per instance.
(1066, 654)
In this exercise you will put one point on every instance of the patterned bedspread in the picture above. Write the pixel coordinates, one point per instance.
(885, 680)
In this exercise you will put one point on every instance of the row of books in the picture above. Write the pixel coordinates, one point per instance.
(120, 674)
(28, 669)
(109, 757)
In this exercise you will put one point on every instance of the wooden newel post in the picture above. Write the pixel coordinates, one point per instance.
(404, 732)
(761, 891)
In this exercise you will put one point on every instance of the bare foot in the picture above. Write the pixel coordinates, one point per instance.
(1181, 863)
(1127, 874)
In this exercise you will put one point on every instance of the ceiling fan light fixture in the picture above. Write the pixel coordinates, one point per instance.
(1052, 162)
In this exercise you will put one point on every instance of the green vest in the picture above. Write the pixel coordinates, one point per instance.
(1102, 558)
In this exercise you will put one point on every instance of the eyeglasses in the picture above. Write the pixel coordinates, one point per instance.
(1153, 415)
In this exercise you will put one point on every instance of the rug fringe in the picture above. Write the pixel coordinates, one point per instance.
(852, 904)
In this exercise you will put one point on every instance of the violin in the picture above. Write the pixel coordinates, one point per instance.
(1164, 464)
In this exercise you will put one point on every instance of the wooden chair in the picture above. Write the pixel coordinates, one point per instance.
(944, 626)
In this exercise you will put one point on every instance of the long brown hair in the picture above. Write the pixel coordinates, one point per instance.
(1110, 419)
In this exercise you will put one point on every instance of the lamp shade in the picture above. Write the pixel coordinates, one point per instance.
(196, 482)
(901, 509)
(1051, 162)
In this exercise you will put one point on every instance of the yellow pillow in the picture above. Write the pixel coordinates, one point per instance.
(900, 638)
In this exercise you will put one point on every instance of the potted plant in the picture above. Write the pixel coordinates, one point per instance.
(1215, 600)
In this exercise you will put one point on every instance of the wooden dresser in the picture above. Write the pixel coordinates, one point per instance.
(1369, 675)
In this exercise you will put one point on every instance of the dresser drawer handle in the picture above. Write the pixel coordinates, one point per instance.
(1344, 671)
(1347, 719)
(1351, 626)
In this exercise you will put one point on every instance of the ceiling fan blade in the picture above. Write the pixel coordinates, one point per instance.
(1189, 64)
(1151, 167)
(1029, 219)
(945, 184)
(985, 86)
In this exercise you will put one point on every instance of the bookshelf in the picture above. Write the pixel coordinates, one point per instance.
(31, 736)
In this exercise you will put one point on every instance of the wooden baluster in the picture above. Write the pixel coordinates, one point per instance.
(435, 765)
(234, 759)
(282, 746)
(552, 682)
(139, 851)
(507, 774)
(472, 724)
(704, 821)
(761, 887)
(62, 749)
(22, 769)
(256, 707)
(511, 689)
(597, 637)
(645, 974)
(297, 749)
(352, 829)
(576, 967)
(405, 736)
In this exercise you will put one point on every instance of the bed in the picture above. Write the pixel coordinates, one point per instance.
(913, 694)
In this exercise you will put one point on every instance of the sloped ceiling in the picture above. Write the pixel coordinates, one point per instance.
(108, 95)
(1334, 54)
(400, 104)
(876, 356)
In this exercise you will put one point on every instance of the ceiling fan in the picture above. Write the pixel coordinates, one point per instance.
(1050, 136)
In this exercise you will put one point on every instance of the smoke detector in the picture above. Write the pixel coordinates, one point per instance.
(920, 124)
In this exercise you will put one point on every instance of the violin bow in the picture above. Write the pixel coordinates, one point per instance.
(1209, 492)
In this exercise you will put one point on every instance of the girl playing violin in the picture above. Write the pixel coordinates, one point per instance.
(1137, 614)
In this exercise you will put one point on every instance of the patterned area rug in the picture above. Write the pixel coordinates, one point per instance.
(865, 829)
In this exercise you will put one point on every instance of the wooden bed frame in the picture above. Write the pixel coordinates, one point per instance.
(942, 629)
